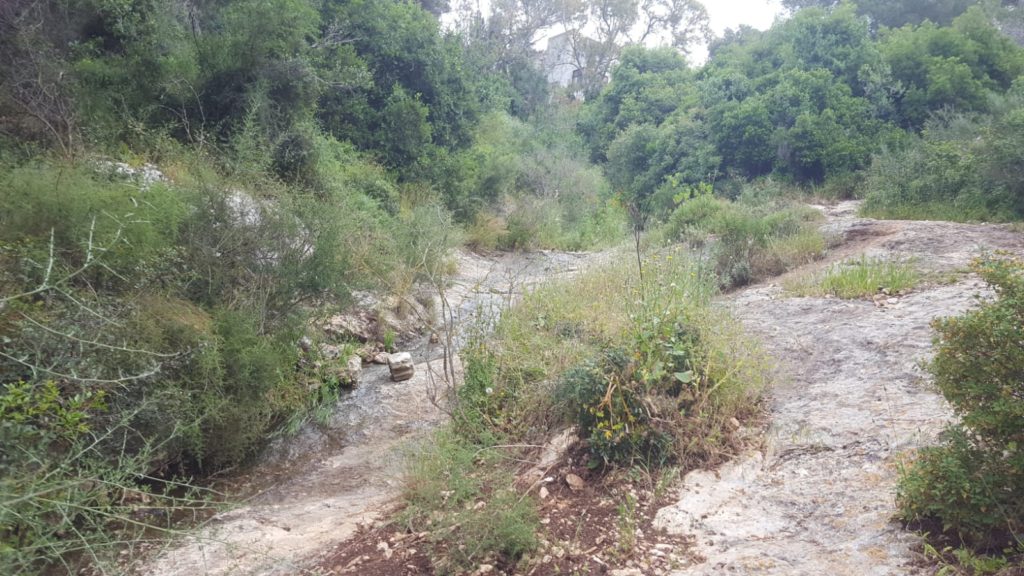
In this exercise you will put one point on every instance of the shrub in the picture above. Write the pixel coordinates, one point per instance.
(615, 410)
(751, 239)
(549, 195)
(662, 394)
(178, 305)
(64, 498)
(962, 168)
(972, 486)
(486, 232)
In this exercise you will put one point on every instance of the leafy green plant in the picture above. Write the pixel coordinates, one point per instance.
(611, 411)
(66, 499)
(43, 408)
(972, 486)
(756, 237)
(389, 341)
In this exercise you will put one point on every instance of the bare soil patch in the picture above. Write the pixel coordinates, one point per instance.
(585, 530)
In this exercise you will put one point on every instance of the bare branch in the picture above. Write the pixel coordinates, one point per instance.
(101, 344)
(122, 380)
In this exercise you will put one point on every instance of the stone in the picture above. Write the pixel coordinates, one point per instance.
(543, 493)
(354, 367)
(305, 344)
(357, 324)
(381, 358)
(554, 451)
(401, 366)
(574, 481)
(330, 351)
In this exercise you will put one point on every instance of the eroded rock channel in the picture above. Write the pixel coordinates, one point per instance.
(850, 403)
(314, 489)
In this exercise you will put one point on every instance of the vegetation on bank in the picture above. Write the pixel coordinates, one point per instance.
(916, 117)
(648, 372)
(761, 234)
(971, 488)
(150, 332)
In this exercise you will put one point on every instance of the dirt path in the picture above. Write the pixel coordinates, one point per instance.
(314, 489)
(819, 499)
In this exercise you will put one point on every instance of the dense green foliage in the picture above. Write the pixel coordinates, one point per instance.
(961, 167)
(896, 13)
(814, 101)
(972, 487)
(529, 185)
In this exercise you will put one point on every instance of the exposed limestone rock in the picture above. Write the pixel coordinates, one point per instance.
(330, 351)
(353, 368)
(401, 366)
(353, 325)
(575, 482)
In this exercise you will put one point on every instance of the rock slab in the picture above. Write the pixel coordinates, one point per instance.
(401, 366)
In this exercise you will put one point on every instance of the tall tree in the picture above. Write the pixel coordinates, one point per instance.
(896, 13)
(616, 24)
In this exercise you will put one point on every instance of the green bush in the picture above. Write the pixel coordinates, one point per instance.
(961, 168)
(178, 305)
(659, 394)
(972, 487)
(613, 413)
(536, 181)
(65, 498)
(758, 236)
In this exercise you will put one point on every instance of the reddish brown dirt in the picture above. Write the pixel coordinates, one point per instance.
(582, 533)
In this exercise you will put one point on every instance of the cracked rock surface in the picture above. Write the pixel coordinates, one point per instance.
(850, 406)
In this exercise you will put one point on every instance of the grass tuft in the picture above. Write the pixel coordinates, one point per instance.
(860, 278)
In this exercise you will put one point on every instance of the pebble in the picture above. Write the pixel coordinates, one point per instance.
(574, 481)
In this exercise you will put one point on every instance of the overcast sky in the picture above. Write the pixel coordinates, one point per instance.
(732, 13)
(723, 14)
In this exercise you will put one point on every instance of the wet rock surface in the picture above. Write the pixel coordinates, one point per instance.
(850, 405)
(315, 488)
